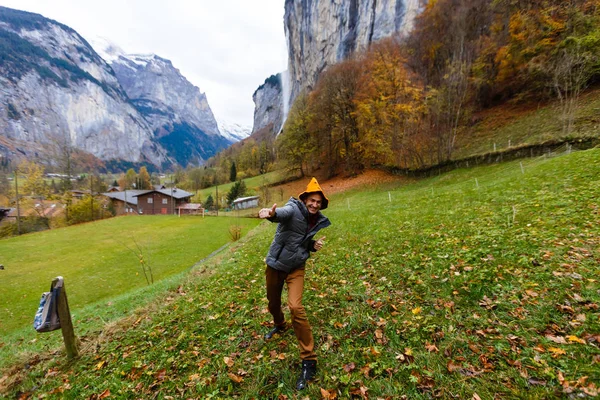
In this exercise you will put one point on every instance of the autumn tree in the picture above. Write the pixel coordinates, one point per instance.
(296, 145)
(389, 106)
(127, 180)
(34, 184)
(334, 121)
(143, 179)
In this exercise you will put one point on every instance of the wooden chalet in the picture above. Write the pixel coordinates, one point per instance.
(125, 202)
(149, 202)
(162, 201)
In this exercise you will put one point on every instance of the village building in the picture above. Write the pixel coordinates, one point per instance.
(190, 209)
(125, 202)
(149, 202)
(243, 203)
(162, 201)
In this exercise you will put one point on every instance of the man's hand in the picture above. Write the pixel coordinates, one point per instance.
(319, 243)
(267, 212)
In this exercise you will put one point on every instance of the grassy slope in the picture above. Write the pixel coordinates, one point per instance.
(98, 262)
(525, 124)
(477, 281)
(252, 184)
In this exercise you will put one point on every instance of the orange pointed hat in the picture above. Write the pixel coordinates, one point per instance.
(313, 187)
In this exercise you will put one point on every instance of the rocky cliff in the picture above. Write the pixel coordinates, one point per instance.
(54, 88)
(320, 33)
(268, 106)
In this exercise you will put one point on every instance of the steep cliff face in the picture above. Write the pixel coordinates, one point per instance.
(268, 105)
(56, 89)
(320, 33)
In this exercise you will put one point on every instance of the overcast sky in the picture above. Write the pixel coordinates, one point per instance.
(225, 47)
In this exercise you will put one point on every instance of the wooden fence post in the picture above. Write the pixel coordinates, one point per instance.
(64, 315)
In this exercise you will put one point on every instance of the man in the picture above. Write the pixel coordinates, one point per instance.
(299, 221)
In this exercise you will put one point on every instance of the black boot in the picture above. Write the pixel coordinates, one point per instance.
(277, 329)
(309, 370)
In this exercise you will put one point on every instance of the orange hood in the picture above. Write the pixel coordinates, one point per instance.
(313, 187)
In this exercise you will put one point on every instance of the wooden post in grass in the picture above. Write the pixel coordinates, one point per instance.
(64, 315)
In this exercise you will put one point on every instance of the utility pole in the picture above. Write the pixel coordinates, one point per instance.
(92, 196)
(172, 199)
(17, 194)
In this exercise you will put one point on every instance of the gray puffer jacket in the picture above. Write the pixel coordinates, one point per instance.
(293, 241)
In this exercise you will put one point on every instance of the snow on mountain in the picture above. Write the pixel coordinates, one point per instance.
(233, 131)
(106, 49)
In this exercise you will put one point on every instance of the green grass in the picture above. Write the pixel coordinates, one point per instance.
(100, 260)
(480, 281)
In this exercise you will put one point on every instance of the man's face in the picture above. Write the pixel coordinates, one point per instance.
(313, 202)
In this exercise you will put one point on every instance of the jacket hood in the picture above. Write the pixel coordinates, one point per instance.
(313, 187)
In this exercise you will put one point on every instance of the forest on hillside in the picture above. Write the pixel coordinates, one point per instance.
(404, 102)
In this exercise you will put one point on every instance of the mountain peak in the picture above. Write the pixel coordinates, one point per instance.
(233, 131)
(106, 49)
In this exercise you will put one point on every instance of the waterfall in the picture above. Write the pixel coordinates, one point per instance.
(285, 97)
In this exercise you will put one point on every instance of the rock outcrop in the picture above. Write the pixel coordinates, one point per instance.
(268, 105)
(55, 89)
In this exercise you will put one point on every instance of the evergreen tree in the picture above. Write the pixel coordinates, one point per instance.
(237, 190)
(232, 173)
(209, 202)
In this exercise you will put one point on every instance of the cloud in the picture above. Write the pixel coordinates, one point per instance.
(227, 48)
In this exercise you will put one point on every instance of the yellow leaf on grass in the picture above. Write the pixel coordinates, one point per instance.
(556, 351)
(416, 310)
(573, 338)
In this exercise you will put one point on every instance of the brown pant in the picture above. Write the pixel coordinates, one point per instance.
(295, 285)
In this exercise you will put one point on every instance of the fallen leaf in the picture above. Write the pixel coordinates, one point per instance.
(375, 351)
(474, 348)
(328, 395)
(556, 351)
(228, 361)
(104, 394)
(365, 370)
(416, 310)
(350, 367)
(575, 339)
(160, 375)
(234, 377)
(591, 390)
(452, 367)
(536, 382)
(476, 396)
(539, 348)
(556, 339)
(432, 348)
